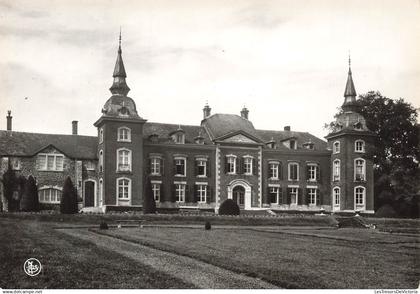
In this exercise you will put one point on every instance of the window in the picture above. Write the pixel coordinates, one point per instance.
(292, 144)
(273, 170)
(231, 164)
(248, 165)
(293, 171)
(312, 196)
(156, 191)
(101, 192)
(15, 163)
(274, 194)
(49, 195)
(336, 147)
(201, 167)
(123, 160)
(293, 194)
(359, 197)
(180, 192)
(101, 161)
(90, 165)
(359, 169)
(101, 135)
(155, 165)
(312, 172)
(179, 138)
(359, 146)
(50, 162)
(124, 188)
(201, 193)
(336, 195)
(124, 134)
(180, 167)
(336, 170)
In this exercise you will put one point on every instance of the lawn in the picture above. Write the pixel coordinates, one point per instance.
(68, 262)
(295, 261)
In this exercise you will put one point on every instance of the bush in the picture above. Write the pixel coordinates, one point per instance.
(68, 203)
(386, 211)
(10, 184)
(30, 200)
(207, 226)
(149, 203)
(103, 225)
(229, 207)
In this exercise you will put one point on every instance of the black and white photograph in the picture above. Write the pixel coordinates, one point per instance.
(210, 144)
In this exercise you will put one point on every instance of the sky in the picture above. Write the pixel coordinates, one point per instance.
(286, 61)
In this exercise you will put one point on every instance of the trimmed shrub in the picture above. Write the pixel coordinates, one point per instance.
(149, 203)
(30, 201)
(207, 226)
(229, 207)
(68, 203)
(103, 226)
(10, 184)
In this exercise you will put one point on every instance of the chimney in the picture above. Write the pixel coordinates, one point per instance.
(206, 111)
(244, 113)
(9, 120)
(287, 128)
(74, 127)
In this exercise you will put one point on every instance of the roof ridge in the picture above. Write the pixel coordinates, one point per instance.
(70, 135)
(177, 125)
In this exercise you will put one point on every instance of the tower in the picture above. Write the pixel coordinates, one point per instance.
(351, 167)
(120, 145)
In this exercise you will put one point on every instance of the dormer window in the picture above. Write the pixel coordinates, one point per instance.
(124, 134)
(178, 136)
(358, 126)
(271, 144)
(154, 138)
(292, 144)
(308, 145)
(124, 111)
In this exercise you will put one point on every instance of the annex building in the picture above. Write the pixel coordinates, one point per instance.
(198, 166)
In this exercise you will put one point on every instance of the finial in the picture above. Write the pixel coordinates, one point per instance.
(349, 62)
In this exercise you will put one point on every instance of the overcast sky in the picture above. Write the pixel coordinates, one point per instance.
(287, 61)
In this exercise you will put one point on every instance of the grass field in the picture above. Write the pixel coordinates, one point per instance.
(299, 257)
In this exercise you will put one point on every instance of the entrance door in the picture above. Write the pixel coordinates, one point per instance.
(239, 196)
(89, 194)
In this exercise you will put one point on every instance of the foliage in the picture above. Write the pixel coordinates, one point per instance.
(68, 203)
(229, 207)
(207, 225)
(149, 203)
(30, 201)
(10, 184)
(396, 153)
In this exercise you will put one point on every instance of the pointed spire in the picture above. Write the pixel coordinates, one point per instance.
(350, 91)
(119, 85)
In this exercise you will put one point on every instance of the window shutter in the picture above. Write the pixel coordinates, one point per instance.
(300, 196)
(268, 195)
(187, 194)
(238, 162)
(174, 167)
(196, 168)
(226, 165)
(254, 166)
(289, 195)
(209, 195)
(195, 194)
(318, 173)
(318, 197)
(149, 164)
(280, 171)
(268, 171)
(173, 196)
(282, 199)
(208, 168)
(308, 174)
(162, 166)
(162, 193)
(307, 196)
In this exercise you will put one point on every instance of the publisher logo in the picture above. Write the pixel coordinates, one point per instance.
(32, 267)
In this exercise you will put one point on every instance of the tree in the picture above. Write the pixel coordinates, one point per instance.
(30, 201)
(396, 153)
(149, 203)
(10, 183)
(68, 203)
(229, 207)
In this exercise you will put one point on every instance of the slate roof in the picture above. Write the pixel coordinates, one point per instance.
(220, 124)
(29, 144)
(164, 130)
(300, 137)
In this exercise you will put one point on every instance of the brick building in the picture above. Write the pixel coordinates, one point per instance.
(198, 166)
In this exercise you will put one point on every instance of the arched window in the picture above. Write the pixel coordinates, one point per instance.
(359, 197)
(336, 147)
(123, 159)
(336, 196)
(49, 195)
(336, 170)
(101, 161)
(124, 134)
(359, 146)
(124, 189)
(359, 169)
(101, 135)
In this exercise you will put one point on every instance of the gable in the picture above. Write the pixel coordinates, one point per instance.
(239, 138)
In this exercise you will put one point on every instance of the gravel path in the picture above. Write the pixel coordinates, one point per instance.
(197, 273)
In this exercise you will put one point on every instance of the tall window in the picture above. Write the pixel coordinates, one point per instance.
(359, 169)
(155, 165)
(49, 195)
(293, 171)
(101, 192)
(180, 192)
(336, 195)
(312, 171)
(101, 161)
(359, 146)
(274, 195)
(359, 197)
(124, 188)
(101, 135)
(231, 164)
(248, 165)
(336, 170)
(201, 193)
(312, 196)
(273, 170)
(156, 191)
(336, 147)
(201, 167)
(292, 144)
(123, 160)
(50, 162)
(180, 166)
(124, 134)
(293, 194)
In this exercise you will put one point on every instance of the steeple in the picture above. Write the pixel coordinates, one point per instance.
(119, 86)
(350, 91)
